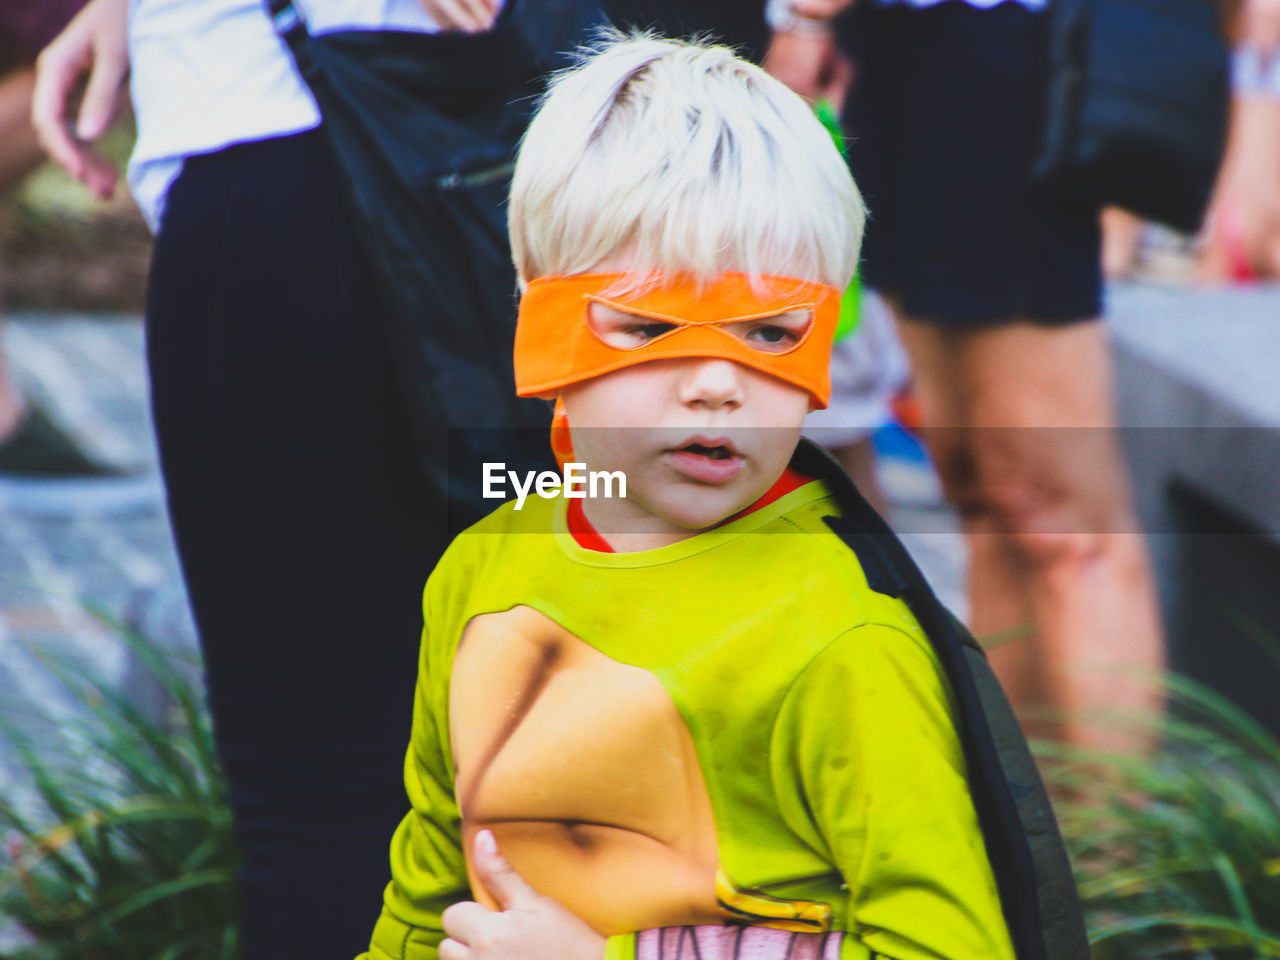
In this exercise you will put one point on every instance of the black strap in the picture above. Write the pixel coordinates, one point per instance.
(290, 25)
(888, 564)
(284, 15)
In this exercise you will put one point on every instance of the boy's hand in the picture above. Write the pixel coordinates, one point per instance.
(530, 926)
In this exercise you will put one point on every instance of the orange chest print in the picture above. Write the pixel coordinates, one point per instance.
(574, 328)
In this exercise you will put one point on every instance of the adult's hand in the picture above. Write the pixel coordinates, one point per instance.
(819, 9)
(1260, 24)
(529, 926)
(1254, 186)
(469, 16)
(92, 50)
(1243, 239)
(803, 53)
(810, 64)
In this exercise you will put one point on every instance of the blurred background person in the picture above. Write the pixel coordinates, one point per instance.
(32, 445)
(303, 519)
(869, 370)
(996, 287)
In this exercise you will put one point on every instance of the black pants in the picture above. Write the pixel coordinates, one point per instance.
(304, 528)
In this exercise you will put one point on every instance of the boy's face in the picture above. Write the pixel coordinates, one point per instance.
(695, 392)
(699, 438)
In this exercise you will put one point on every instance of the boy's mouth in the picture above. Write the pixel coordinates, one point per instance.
(706, 460)
(718, 452)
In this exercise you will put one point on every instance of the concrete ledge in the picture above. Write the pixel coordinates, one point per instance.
(1198, 392)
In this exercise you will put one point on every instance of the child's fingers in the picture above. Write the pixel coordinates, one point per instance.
(451, 949)
(498, 876)
(466, 921)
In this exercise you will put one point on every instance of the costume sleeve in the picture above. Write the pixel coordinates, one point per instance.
(868, 769)
(428, 872)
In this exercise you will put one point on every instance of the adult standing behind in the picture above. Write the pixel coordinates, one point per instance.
(303, 522)
(997, 289)
(32, 447)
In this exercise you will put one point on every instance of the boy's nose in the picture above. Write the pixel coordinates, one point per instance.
(712, 383)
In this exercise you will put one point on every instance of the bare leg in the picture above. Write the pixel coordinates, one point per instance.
(997, 578)
(1022, 418)
(1121, 238)
(1003, 614)
(19, 155)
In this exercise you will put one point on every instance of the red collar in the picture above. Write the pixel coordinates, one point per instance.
(589, 539)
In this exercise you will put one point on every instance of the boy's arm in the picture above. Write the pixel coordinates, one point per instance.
(427, 867)
(867, 768)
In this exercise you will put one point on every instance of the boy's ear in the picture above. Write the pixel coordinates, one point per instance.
(561, 440)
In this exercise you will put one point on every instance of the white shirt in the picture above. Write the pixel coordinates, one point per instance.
(981, 4)
(212, 73)
(777, 10)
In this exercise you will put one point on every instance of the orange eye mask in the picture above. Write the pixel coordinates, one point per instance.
(571, 328)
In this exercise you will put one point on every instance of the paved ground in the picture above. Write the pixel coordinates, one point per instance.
(68, 547)
(71, 554)
(107, 547)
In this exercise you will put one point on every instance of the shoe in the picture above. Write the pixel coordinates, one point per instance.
(44, 473)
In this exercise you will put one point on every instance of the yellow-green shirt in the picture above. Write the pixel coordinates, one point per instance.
(731, 728)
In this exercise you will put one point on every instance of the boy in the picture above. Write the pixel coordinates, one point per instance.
(684, 717)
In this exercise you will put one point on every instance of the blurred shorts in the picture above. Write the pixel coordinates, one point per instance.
(27, 26)
(945, 120)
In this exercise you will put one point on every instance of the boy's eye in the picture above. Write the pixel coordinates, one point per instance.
(626, 331)
(647, 331)
(769, 335)
(773, 334)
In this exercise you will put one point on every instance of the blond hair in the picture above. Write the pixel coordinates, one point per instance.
(676, 155)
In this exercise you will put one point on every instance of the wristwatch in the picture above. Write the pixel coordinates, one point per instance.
(782, 19)
(1256, 72)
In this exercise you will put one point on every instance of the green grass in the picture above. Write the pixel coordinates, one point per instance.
(1182, 860)
(127, 853)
